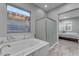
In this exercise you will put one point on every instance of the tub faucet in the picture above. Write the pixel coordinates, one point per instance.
(3, 47)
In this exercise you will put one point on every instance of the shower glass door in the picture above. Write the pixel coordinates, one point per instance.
(46, 30)
(51, 32)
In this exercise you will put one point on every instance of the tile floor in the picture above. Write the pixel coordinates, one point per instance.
(65, 48)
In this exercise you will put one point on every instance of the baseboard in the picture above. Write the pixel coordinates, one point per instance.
(53, 46)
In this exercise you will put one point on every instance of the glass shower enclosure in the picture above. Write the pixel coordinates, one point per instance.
(46, 29)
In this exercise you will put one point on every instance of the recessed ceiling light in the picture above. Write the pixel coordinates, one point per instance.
(45, 6)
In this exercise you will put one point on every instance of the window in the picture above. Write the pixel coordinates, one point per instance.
(17, 13)
(68, 25)
(18, 20)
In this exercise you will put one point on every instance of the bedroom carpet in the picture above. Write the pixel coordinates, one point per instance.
(65, 48)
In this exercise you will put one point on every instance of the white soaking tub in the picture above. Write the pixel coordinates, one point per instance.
(30, 47)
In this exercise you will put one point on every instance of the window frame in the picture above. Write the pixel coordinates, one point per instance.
(23, 10)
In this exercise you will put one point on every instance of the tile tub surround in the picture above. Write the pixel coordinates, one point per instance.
(65, 48)
(25, 47)
(3, 39)
(17, 37)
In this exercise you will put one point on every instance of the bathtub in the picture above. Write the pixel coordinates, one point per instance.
(27, 47)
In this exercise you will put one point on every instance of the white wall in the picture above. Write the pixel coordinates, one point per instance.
(35, 14)
(3, 22)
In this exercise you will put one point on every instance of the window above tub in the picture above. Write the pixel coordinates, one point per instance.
(19, 20)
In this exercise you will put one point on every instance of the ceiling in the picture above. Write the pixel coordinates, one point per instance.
(50, 6)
